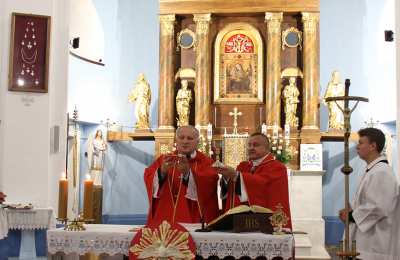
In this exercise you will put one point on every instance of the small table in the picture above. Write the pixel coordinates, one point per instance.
(28, 220)
(100, 239)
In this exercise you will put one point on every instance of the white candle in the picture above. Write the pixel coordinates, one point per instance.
(287, 131)
(264, 128)
(209, 132)
(275, 132)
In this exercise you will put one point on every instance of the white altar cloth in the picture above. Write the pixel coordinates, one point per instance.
(31, 219)
(116, 239)
(26, 220)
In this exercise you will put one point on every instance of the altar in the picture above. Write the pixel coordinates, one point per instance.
(114, 240)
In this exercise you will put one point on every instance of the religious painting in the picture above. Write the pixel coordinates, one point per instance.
(29, 55)
(238, 65)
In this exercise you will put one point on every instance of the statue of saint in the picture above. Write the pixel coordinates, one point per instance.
(291, 99)
(97, 147)
(183, 100)
(335, 89)
(141, 94)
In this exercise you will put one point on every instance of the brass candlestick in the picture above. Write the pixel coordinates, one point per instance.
(347, 253)
(76, 224)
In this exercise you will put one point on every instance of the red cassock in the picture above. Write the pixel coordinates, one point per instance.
(267, 186)
(171, 197)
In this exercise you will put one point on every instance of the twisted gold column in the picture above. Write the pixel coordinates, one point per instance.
(310, 71)
(166, 81)
(203, 70)
(273, 82)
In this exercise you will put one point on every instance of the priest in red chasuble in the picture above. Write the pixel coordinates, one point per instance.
(260, 181)
(182, 186)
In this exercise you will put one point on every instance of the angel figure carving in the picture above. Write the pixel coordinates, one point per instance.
(335, 89)
(141, 95)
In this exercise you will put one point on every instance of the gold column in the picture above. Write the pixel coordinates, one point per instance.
(166, 82)
(273, 82)
(203, 70)
(310, 71)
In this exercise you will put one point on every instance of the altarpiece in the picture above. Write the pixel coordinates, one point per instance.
(239, 51)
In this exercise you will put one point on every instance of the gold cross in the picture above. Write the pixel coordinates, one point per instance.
(235, 115)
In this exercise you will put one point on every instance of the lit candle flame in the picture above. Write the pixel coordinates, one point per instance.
(63, 176)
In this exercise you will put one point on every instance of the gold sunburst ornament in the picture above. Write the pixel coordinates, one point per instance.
(278, 220)
(162, 242)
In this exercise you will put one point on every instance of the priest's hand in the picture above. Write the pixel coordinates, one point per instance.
(167, 163)
(343, 213)
(2, 197)
(228, 173)
(182, 164)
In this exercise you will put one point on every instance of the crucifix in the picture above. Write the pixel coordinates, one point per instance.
(235, 115)
(346, 252)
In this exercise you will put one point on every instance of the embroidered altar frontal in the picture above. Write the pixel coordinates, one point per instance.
(116, 239)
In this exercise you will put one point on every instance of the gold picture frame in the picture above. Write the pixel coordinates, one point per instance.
(29, 53)
(292, 32)
(184, 36)
(238, 65)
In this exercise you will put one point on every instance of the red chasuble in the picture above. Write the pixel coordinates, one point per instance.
(267, 186)
(171, 197)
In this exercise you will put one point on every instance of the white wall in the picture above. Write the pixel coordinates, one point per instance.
(28, 172)
(397, 42)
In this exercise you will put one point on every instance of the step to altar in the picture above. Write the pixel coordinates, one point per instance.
(304, 249)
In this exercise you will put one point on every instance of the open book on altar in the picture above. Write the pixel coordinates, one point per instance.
(244, 218)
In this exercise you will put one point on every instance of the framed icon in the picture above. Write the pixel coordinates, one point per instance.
(238, 65)
(29, 53)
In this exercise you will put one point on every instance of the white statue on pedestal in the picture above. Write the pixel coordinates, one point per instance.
(335, 89)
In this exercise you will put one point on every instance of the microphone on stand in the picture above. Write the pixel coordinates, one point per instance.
(203, 228)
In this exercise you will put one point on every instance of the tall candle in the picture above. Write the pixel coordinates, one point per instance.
(88, 198)
(264, 128)
(275, 132)
(62, 197)
(287, 131)
(209, 132)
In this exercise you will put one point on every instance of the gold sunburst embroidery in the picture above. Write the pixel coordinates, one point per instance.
(163, 243)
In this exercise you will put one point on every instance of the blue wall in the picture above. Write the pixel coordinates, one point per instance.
(351, 41)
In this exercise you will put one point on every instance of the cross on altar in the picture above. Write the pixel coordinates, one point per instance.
(235, 115)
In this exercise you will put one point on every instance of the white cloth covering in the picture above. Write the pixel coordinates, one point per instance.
(3, 223)
(116, 239)
(376, 213)
(30, 219)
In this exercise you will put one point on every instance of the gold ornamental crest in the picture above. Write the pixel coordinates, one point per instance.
(163, 242)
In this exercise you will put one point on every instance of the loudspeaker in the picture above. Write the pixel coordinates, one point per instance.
(389, 36)
(55, 139)
(75, 43)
